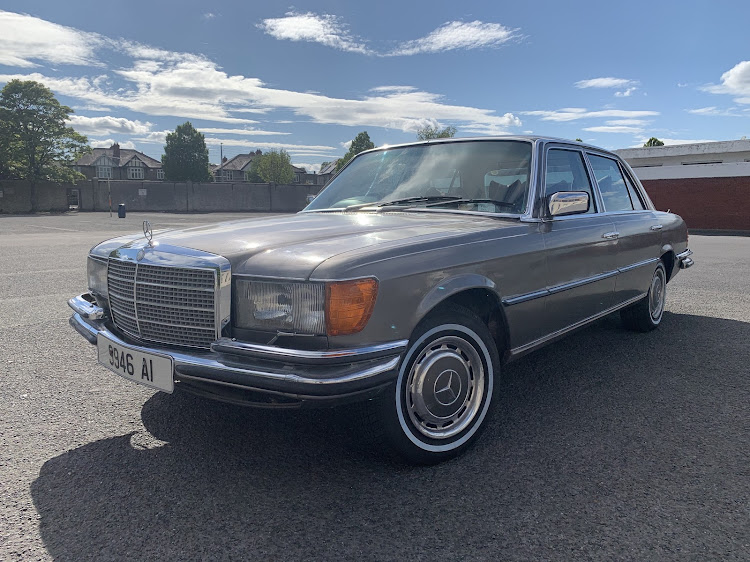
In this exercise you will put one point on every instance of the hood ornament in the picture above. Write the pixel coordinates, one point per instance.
(147, 232)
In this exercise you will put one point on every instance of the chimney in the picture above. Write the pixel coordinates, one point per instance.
(115, 151)
(224, 160)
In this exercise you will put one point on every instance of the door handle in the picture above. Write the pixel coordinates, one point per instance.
(657, 227)
(610, 235)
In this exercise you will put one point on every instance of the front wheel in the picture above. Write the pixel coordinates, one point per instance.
(646, 314)
(443, 394)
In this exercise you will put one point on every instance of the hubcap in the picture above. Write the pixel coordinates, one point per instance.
(445, 387)
(657, 294)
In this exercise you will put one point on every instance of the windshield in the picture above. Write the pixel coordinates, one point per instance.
(489, 176)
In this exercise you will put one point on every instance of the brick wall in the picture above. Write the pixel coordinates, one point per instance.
(710, 203)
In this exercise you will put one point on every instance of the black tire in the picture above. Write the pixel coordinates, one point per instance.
(646, 314)
(440, 403)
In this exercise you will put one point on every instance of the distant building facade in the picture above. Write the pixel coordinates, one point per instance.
(119, 164)
(235, 169)
(705, 159)
(707, 183)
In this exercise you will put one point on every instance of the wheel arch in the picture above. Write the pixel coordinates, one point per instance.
(668, 258)
(477, 294)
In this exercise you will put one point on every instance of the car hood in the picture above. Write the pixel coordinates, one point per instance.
(294, 246)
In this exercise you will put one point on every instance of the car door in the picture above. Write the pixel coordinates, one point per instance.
(580, 248)
(638, 229)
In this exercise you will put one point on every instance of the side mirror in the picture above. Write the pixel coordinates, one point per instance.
(565, 203)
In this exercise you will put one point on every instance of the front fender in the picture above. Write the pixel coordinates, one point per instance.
(451, 286)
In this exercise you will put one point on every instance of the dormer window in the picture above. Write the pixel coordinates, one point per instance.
(135, 169)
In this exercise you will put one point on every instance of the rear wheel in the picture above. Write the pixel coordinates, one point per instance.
(646, 314)
(443, 395)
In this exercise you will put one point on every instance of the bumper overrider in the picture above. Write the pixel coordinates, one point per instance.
(263, 375)
(684, 260)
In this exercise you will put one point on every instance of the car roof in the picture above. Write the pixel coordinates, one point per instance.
(527, 138)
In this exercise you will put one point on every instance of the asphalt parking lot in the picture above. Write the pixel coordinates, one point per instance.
(606, 445)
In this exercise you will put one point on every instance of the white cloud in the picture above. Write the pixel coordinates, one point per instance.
(25, 39)
(576, 113)
(455, 35)
(310, 168)
(289, 147)
(109, 125)
(625, 93)
(109, 142)
(322, 151)
(392, 89)
(608, 82)
(245, 132)
(345, 145)
(627, 122)
(714, 111)
(325, 29)
(208, 16)
(735, 82)
(166, 83)
(614, 129)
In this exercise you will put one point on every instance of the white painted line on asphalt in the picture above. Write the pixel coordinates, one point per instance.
(51, 227)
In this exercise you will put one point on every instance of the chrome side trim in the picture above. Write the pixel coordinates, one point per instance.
(573, 284)
(638, 264)
(86, 308)
(526, 348)
(226, 345)
(517, 299)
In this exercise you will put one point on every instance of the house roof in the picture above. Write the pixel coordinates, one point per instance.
(126, 154)
(329, 168)
(298, 170)
(239, 162)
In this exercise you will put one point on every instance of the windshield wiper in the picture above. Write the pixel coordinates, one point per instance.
(460, 200)
(429, 199)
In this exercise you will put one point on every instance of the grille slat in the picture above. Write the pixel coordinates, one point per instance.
(171, 305)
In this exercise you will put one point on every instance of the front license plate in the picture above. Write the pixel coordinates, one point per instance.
(145, 368)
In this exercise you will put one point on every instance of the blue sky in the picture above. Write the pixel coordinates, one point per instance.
(308, 77)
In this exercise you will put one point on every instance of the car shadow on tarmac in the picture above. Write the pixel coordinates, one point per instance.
(608, 444)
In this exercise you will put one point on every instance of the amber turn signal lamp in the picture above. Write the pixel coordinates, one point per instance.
(349, 305)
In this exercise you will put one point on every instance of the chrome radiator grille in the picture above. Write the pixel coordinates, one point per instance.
(171, 305)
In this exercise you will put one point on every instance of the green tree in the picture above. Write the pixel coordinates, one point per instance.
(324, 164)
(274, 167)
(35, 143)
(360, 143)
(253, 175)
(185, 155)
(579, 140)
(653, 141)
(428, 132)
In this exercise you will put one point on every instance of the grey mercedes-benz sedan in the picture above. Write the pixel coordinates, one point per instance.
(405, 285)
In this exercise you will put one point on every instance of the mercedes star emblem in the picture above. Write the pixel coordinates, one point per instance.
(147, 232)
(447, 387)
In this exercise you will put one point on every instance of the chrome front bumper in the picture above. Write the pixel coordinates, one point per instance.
(293, 375)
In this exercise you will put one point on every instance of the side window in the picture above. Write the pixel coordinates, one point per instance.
(566, 171)
(635, 198)
(612, 186)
